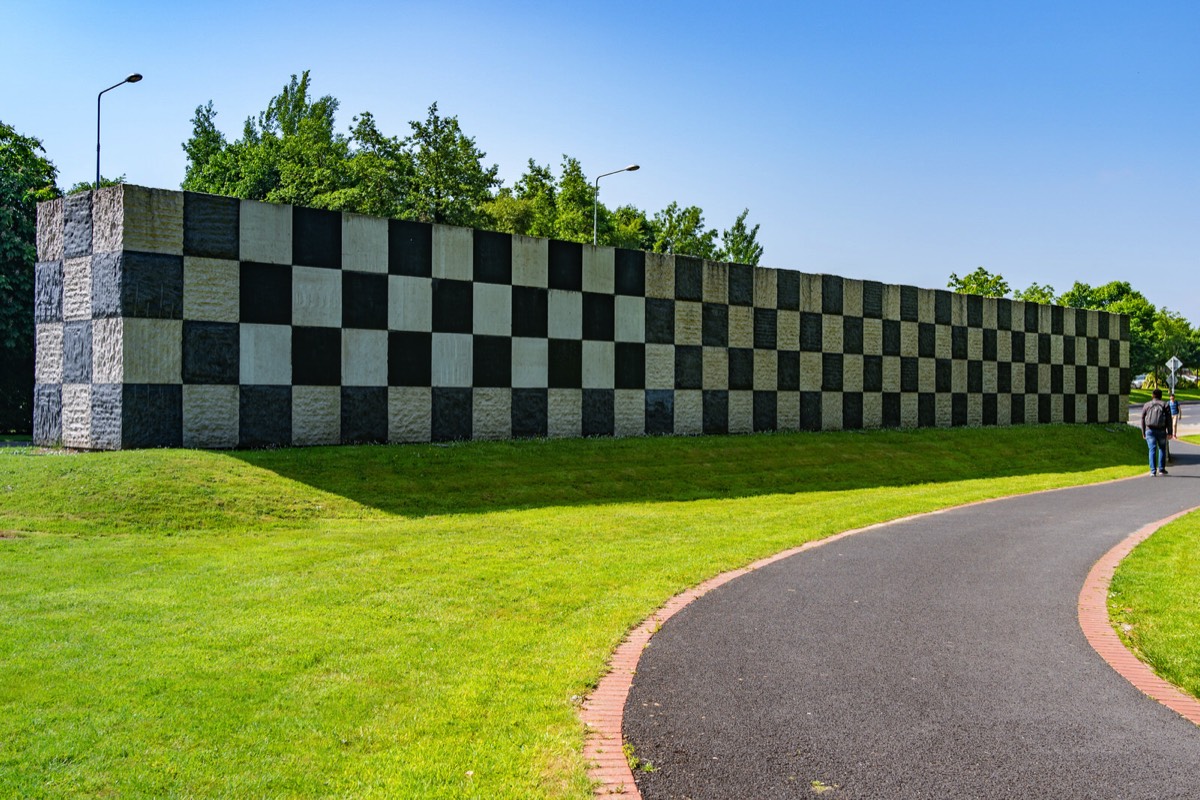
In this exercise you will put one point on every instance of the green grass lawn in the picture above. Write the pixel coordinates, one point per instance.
(413, 621)
(1137, 396)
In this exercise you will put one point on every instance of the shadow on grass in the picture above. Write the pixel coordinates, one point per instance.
(474, 477)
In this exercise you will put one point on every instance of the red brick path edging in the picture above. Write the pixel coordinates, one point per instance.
(1093, 619)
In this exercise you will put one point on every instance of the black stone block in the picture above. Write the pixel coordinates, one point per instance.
(1004, 314)
(958, 409)
(530, 412)
(811, 332)
(409, 358)
(1017, 409)
(766, 411)
(410, 248)
(788, 290)
(77, 225)
(1056, 379)
(265, 416)
(152, 415)
(1122, 330)
(1069, 349)
(316, 237)
(1004, 377)
(689, 279)
(831, 372)
(891, 410)
(1044, 415)
(1093, 409)
(943, 373)
(1043, 348)
(1081, 380)
(598, 317)
(599, 416)
(1114, 406)
(48, 291)
(1031, 379)
(1017, 348)
(629, 364)
(766, 328)
(910, 374)
(714, 325)
(810, 411)
(565, 363)
(1069, 409)
(741, 368)
(364, 414)
(211, 226)
(741, 285)
(1114, 352)
(975, 376)
(266, 293)
(1102, 381)
(108, 271)
(1056, 320)
(660, 411)
(909, 306)
(716, 412)
(565, 265)
(1093, 353)
(989, 344)
(660, 321)
(872, 299)
(926, 410)
(77, 352)
(852, 411)
(990, 414)
(831, 295)
(926, 340)
(364, 300)
(942, 307)
(630, 272)
(1031, 317)
(974, 311)
(958, 342)
(689, 366)
(152, 285)
(316, 356)
(788, 371)
(47, 415)
(492, 357)
(211, 352)
(1102, 325)
(872, 373)
(452, 414)
(852, 335)
(529, 311)
(453, 306)
(492, 257)
(891, 337)
(105, 416)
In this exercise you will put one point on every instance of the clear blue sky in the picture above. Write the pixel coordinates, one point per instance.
(899, 141)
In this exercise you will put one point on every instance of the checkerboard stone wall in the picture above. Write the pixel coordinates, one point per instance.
(179, 319)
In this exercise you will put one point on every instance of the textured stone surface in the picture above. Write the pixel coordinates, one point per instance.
(409, 414)
(152, 415)
(364, 243)
(77, 225)
(316, 297)
(108, 364)
(77, 289)
(152, 285)
(529, 363)
(452, 357)
(265, 233)
(564, 314)
(491, 414)
(598, 264)
(529, 259)
(741, 326)
(452, 253)
(77, 352)
(629, 319)
(316, 415)
(48, 352)
(210, 416)
(210, 289)
(266, 355)
(629, 410)
(689, 412)
(364, 358)
(47, 415)
(598, 365)
(564, 412)
(50, 230)
(106, 277)
(210, 352)
(107, 417)
(211, 227)
(108, 219)
(264, 416)
(364, 414)
(660, 276)
(48, 291)
(153, 350)
(492, 309)
(77, 415)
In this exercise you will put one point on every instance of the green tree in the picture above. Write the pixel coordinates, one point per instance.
(979, 282)
(1036, 293)
(629, 228)
(1172, 338)
(379, 173)
(1119, 297)
(26, 178)
(739, 244)
(450, 183)
(681, 231)
(574, 204)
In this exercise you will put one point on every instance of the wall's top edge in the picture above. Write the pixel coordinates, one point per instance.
(108, 229)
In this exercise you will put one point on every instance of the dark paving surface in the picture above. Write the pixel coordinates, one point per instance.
(938, 658)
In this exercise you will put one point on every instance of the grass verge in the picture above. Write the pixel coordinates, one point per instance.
(406, 621)
(1154, 602)
(1137, 396)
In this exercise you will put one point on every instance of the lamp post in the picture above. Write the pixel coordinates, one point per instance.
(596, 195)
(134, 78)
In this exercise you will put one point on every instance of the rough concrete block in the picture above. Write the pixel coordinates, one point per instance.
(50, 230)
(47, 415)
(492, 414)
(453, 253)
(210, 416)
(316, 297)
(364, 357)
(598, 365)
(364, 243)
(492, 309)
(529, 262)
(77, 415)
(529, 363)
(153, 350)
(266, 354)
(265, 233)
(452, 360)
(409, 414)
(48, 291)
(77, 225)
(108, 351)
(598, 269)
(410, 303)
(210, 289)
(564, 413)
(48, 352)
(77, 289)
(629, 412)
(316, 415)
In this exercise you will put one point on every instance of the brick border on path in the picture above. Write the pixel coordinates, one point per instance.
(603, 710)
(1093, 619)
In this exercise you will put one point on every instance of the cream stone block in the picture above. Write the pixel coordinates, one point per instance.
(975, 410)
(316, 297)
(926, 374)
(1018, 378)
(77, 289)
(872, 337)
(990, 313)
(810, 372)
(989, 377)
(564, 409)
(364, 357)
(1031, 409)
(688, 322)
(491, 414)
(629, 410)
(891, 301)
(598, 365)
(689, 412)
(852, 298)
(530, 259)
(316, 415)
(831, 411)
(943, 342)
(909, 338)
(852, 373)
(128, 217)
(766, 370)
(787, 413)
(1056, 408)
(1044, 319)
(1018, 315)
(715, 368)
(715, 282)
(410, 303)
(48, 349)
(741, 326)
(108, 351)
(1003, 346)
(212, 290)
(364, 243)
(926, 305)
(453, 360)
(766, 288)
(77, 415)
(210, 416)
(1004, 409)
(910, 409)
(630, 318)
(810, 293)
(958, 376)
(1102, 352)
(153, 350)
(265, 232)
(944, 406)
(832, 331)
(50, 224)
(453, 253)
(1069, 380)
(660, 366)
(530, 360)
(872, 410)
(741, 412)
(660, 276)
(891, 373)
(974, 344)
(1031, 348)
(266, 354)
(410, 414)
(1056, 350)
(492, 309)
(958, 309)
(599, 267)
(788, 330)
(564, 314)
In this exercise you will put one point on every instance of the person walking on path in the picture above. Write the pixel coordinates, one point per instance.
(1156, 427)
(1176, 418)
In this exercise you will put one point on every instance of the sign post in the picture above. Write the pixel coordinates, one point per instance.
(1173, 365)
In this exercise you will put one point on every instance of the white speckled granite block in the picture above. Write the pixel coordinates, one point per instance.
(660, 276)
(316, 415)
(788, 336)
(364, 357)
(630, 318)
(410, 303)
(453, 364)
(891, 301)
(77, 289)
(688, 323)
(136, 218)
(715, 282)
(852, 298)
(598, 269)
(266, 354)
(810, 372)
(492, 414)
(689, 412)
(453, 253)
(265, 232)
(48, 348)
(766, 287)
(741, 326)
(50, 230)
(565, 314)
(598, 365)
(715, 368)
(530, 260)
(832, 330)
(787, 414)
(872, 337)
(660, 366)
(629, 412)
(810, 293)
(529, 363)
(409, 413)
(77, 415)
(564, 413)
(108, 351)
(364, 243)
(872, 410)
(852, 373)
(766, 370)
(316, 297)
(210, 416)
(741, 412)
(909, 410)
(211, 289)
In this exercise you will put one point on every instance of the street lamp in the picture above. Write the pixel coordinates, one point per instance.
(134, 78)
(596, 194)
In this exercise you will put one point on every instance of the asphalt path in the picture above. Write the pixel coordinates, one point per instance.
(939, 657)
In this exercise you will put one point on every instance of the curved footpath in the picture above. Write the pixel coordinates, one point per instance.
(939, 656)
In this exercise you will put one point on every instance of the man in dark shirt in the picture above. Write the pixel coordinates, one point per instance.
(1156, 427)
